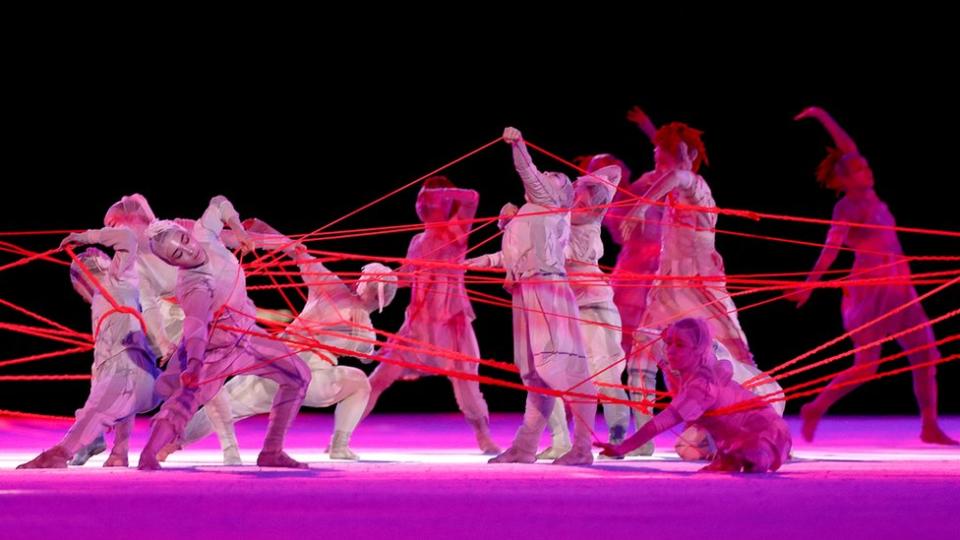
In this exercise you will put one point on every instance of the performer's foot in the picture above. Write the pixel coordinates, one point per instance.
(486, 444)
(98, 446)
(576, 456)
(340, 446)
(161, 435)
(279, 459)
(165, 452)
(344, 453)
(117, 459)
(231, 457)
(54, 458)
(554, 452)
(933, 434)
(810, 417)
(148, 462)
(481, 428)
(646, 449)
(721, 463)
(512, 455)
(616, 437)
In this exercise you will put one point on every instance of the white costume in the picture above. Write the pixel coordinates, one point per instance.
(687, 252)
(220, 337)
(548, 345)
(160, 312)
(599, 317)
(334, 322)
(123, 374)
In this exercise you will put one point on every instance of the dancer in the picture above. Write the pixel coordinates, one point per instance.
(335, 321)
(599, 318)
(690, 274)
(123, 373)
(752, 440)
(163, 318)
(439, 317)
(547, 343)
(877, 254)
(220, 337)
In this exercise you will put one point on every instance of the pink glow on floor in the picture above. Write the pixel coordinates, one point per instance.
(421, 477)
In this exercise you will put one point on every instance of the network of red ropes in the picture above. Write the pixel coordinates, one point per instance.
(280, 274)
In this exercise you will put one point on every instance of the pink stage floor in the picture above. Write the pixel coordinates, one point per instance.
(420, 477)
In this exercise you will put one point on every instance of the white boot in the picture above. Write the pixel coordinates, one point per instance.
(481, 427)
(231, 456)
(340, 446)
(647, 448)
(645, 377)
(514, 455)
(617, 434)
(695, 444)
(559, 433)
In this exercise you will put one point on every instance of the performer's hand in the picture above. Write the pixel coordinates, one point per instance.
(637, 116)
(800, 296)
(72, 239)
(246, 243)
(189, 379)
(506, 214)
(475, 262)
(296, 251)
(511, 135)
(609, 450)
(809, 112)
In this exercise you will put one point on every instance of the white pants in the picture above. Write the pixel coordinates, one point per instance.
(600, 325)
(249, 395)
(121, 386)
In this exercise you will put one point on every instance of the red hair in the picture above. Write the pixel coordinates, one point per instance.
(438, 181)
(827, 170)
(669, 137)
(839, 164)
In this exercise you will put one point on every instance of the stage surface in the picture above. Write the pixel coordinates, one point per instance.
(420, 476)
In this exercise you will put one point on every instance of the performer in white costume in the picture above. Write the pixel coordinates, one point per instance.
(162, 316)
(123, 374)
(334, 322)
(548, 346)
(220, 336)
(599, 317)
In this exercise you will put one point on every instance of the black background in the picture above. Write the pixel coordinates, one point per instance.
(300, 139)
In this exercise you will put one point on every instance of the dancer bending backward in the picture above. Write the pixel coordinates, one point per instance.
(220, 337)
(877, 254)
(335, 321)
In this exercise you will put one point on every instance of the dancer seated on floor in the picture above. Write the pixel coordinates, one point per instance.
(754, 439)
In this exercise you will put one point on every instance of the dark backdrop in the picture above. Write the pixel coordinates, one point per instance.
(301, 141)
